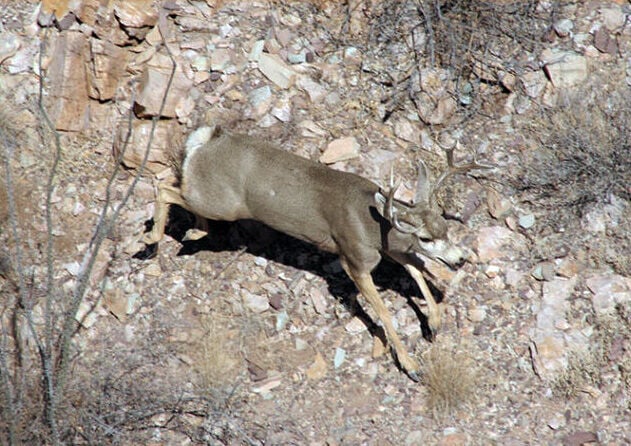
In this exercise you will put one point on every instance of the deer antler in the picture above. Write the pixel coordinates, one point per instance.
(453, 169)
(391, 213)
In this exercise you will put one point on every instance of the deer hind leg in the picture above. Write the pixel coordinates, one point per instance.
(368, 289)
(433, 309)
(167, 195)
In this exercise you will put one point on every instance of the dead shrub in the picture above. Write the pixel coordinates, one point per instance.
(582, 172)
(605, 353)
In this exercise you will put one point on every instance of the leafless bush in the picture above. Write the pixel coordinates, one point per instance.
(476, 42)
(582, 171)
(39, 317)
(605, 353)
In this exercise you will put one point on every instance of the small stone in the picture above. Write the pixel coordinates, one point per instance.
(563, 27)
(614, 18)
(580, 438)
(497, 205)
(526, 221)
(557, 422)
(282, 110)
(544, 271)
(415, 438)
(255, 302)
(604, 42)
(355, 326)
(534, 82)
(338, 359)
(272, 66)
(477, 314)
(281, 320)
(301, 344)
(73, 268)
(257, 50)
(314, 90)
(609, 291)
(220, 59)
(564, 68)
(318, 300)
(267, 385)
(340, 150)
(317, 370)
(497, 242)
(9, 45)
(86, 314)
(276, 301)
(261, 100)
(492, 271)
(407, 131)
(153, 270)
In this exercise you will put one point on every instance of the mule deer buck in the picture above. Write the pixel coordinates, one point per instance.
(231, 177)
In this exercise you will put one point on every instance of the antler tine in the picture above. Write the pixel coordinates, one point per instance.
(453, 169)
(390, 214)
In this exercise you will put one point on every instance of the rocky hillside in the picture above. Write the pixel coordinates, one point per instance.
(248, 336)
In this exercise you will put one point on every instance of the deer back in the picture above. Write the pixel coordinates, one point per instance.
(230, 177)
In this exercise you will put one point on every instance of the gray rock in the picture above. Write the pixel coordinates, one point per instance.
(564, 68)
(609, 290)
(563, 27)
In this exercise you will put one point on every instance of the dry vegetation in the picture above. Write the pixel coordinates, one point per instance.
(583, 167)
(451, 378)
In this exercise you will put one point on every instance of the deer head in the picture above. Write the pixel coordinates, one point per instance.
(423, 218)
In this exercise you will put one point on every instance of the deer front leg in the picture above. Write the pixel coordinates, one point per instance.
(433, 309)
(167, 195)
(368, 289)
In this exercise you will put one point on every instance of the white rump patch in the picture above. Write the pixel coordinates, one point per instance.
(198, 138)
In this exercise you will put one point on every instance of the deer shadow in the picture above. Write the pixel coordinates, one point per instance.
(260, 240)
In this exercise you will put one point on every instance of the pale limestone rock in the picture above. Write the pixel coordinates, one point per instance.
(261, 100)
(341, 149)
(563, 27)
(407, 131)
(314, 90)
(497, 242)
(106, 69)
(318, 368)
(277, 71)
(534, 82)
(69, 105)
(153, 85)
(609, 290)
(318, 300)
(9, 45)
(255, 302)
(498, 206)
(564, 68)
(551, 345)
(163, 142)
(136, 13)
(220, 59)
(282, 110)
(613, 18)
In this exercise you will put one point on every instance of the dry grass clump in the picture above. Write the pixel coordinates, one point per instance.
(605, 354)
(218, 357)
(450, 376)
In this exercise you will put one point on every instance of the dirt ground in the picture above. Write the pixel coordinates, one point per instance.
(248, 336)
